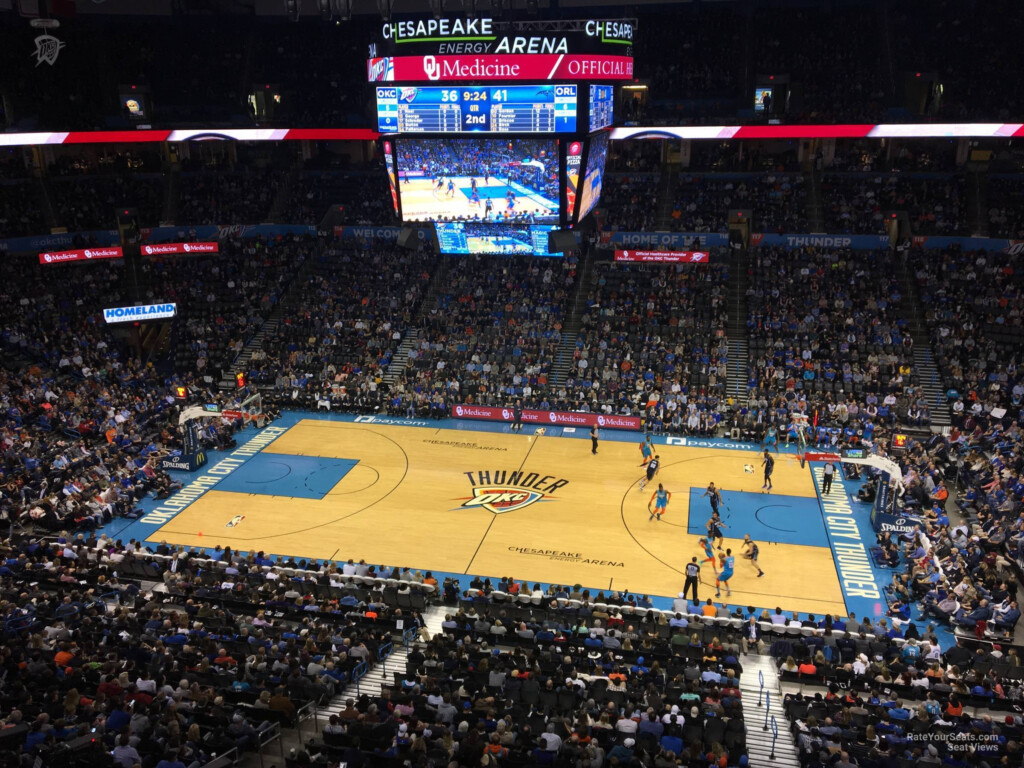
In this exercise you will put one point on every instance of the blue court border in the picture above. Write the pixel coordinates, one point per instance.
(137, 530)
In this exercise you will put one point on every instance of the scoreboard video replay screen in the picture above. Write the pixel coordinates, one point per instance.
(495, 167)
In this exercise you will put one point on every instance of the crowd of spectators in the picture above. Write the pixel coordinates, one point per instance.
(21, 209)
(364, 193)
(1006, 206)
(490, 336)
(652, 342)
(858, 203)
(86, 203)
(343, 321)
(828, 336)
(703, 201)
(228, 197)
(226, 647)
(223, 298)
(972, 306)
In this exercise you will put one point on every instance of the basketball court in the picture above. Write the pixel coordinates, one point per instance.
(540, 508)
(424, 200)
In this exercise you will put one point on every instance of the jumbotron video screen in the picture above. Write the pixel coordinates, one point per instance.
(478, 179)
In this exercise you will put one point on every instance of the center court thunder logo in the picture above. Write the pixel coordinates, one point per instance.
(504, 491)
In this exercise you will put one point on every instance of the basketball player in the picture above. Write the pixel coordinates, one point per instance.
(472, 184)
(715, 526)
(652, 470)
(769, 466)
(709, 553)
(714, 496)
(593, 439)
(646, 450)
(488, 208)
(750, 551)
(440, 183)
(511, 206)
(728, 561)
(451, 188)
(474, 198)
(771, 438)
(660, 500)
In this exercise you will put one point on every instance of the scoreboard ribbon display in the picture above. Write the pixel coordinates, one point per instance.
(664, 257)
(508, 109)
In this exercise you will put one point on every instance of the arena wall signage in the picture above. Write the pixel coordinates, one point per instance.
(85, 254)
(548, 418)
(142, 312)
(165, 249)
(425, 37)
(664, 257)
(487, 67)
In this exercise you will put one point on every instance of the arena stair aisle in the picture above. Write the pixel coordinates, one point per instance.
(666, 194)
(565, 357)
(736, 327)
(401, 358)
(759, 741)
(172, 195)
(815, 209)
(931, 382)
(927, 371)
(383, 674)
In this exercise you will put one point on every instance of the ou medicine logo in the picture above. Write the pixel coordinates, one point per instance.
(431, 68)
(600, 421)
(552, 417)
(47, 258)
(458, 410)
(88, 254)
(506, 413)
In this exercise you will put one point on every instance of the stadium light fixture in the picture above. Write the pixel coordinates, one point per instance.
(497, 8)
(470, 7)
(325, 10)
(437, 7)
(293, 8)
(384, 6)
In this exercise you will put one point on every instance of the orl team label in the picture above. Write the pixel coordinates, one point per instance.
(509, 491)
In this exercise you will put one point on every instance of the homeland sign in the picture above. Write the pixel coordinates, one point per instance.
(143, 312)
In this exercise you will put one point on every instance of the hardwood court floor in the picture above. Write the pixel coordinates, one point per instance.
(540, 509)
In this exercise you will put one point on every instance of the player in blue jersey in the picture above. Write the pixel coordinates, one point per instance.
(660, 501)
(474, 198)
(646, 450)
(727, 562)
(771, 438)
(451, 188)
(709, 553)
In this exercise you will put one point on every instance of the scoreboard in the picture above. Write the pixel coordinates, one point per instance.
(602, 98)
(477, 109)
